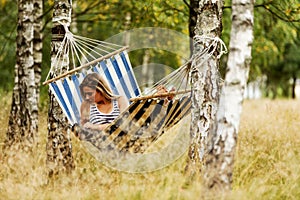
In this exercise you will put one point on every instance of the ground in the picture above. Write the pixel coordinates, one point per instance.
(266, 164)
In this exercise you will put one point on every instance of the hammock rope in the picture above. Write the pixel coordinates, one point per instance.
(181, 76)
(82, 52)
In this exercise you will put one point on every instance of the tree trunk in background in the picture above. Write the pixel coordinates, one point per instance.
(127, 24)
(221, 157)
(294, 87)
(23, 121)
(205, 78)
(194, 4)
(37, 45)
(74, 24)
(59, 147)
(147, 72)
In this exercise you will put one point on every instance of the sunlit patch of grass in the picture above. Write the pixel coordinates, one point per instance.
(267, 160)
(4, 113)
(266, 164)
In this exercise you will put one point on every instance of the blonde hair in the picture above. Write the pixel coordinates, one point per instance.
(97, 82)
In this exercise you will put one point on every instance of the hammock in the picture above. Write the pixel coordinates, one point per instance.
(149, 115)
(124, 144)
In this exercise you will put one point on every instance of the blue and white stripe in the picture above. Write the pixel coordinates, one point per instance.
(116, 70)
(97, 117)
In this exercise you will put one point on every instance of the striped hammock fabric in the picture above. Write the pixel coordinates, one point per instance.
(117, 71)
(139, 126)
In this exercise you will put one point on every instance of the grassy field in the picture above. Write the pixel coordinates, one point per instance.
(267, 165)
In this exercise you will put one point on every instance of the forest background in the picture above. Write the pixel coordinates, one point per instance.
(275, 64)
(267, 163)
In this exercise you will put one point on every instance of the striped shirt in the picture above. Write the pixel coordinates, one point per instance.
(97, 117)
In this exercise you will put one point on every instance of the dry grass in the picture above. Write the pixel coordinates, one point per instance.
(266, 167)
(267, 163)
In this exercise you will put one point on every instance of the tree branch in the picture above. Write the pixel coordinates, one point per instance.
(90, 8)
(187, 4)
(282, 16)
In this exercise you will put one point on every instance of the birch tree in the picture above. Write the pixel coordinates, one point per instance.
(23, 120)
(205, 79)
(37, 44)
(220, 159)
(59, 147)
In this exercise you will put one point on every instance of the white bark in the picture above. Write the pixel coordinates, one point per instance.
(221, 157)
(205, 79)
(23, 122)
(37, 49)
(59, 147)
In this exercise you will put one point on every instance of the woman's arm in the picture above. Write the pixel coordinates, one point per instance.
(84, 112)
(85, 116)
(99, 127)
(123, 103)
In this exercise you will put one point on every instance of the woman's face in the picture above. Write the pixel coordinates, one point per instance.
(91, 95)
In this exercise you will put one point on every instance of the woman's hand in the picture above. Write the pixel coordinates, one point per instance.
(161, 89)
(90, 125)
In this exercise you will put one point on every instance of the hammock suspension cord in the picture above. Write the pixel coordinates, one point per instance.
(78, 52)
(181, 76)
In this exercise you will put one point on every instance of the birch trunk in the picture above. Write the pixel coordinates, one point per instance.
(37, 47)
(221, 157)
(38, 42)
(23, 122)
(205, 79)
(59, 147)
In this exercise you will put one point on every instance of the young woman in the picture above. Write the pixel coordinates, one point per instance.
(100, 106)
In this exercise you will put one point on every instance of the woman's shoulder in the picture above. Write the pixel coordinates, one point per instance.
(121, 99)
(123, 103)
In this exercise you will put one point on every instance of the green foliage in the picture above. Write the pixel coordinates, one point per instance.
(276, 27)
(292, 59)
(8, 21)
(117, 16)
